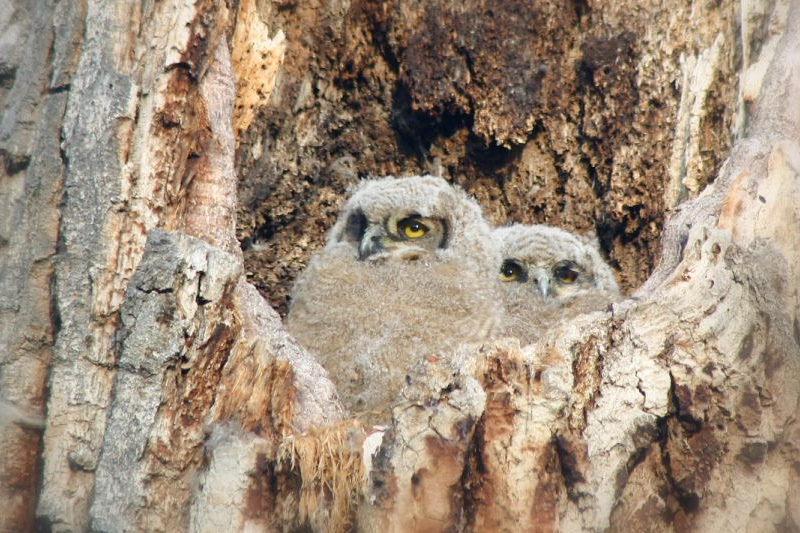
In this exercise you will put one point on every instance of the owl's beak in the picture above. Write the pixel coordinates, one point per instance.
(542, 279)
(370, 243)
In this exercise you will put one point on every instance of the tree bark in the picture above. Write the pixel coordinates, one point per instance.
(146, 385)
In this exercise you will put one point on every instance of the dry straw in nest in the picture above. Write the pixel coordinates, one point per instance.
(331, 470)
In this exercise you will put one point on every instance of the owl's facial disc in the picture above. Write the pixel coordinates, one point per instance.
(355, 227)
(564, 280)
(407, 237)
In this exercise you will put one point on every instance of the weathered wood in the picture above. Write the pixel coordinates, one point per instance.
(175, 333)
(603, 108)
(682, 400)
(33, 103)
(415, 483)
(175, 400)
(125, 164)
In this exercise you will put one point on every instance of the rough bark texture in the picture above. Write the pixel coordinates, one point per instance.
(33, 103)
(146, 386)
(596, 116)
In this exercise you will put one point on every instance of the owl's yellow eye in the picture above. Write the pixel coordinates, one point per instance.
(566, 272)
(510, 271)
(412, 228)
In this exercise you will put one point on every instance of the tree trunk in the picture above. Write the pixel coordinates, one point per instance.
(146, 385)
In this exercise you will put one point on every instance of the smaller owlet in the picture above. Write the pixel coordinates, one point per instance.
(548, 274)
(408, 270)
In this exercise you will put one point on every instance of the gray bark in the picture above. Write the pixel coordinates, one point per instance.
(146, 386)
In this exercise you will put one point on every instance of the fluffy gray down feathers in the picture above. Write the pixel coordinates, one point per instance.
(528, 314)
(369, 321)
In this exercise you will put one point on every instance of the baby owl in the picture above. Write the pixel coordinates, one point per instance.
(409, 269)
(548, 274)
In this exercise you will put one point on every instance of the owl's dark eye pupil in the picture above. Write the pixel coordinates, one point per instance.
(565, 274)
(411, 228)
(511, 271)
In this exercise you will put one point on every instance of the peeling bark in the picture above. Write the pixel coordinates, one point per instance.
(152, 444)
(415, 482)
(145, 385)
(587, 115)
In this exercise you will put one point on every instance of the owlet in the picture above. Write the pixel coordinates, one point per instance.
(549, 274)
(409, 269)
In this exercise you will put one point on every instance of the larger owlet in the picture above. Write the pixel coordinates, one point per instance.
(549, 274)
(409, 269)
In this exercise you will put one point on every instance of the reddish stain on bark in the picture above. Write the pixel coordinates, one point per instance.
(204, 26)
(549, 489)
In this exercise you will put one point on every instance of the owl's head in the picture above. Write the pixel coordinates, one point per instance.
(554, 263)
(419, 217)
